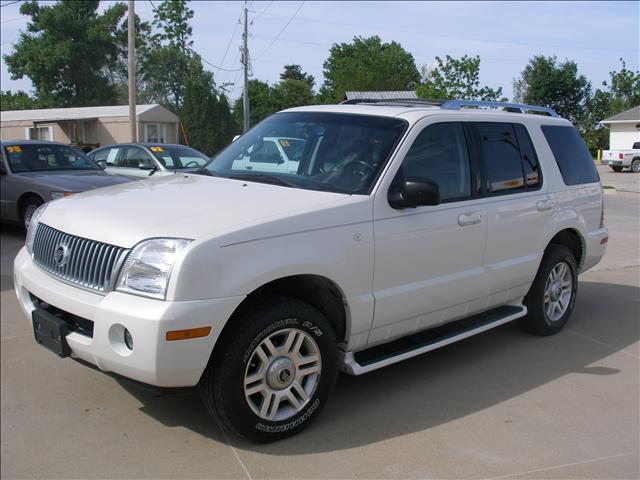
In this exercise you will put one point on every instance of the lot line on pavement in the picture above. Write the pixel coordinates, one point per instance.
(555, 467)
(235, 453)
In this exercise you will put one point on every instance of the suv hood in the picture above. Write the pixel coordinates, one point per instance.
(75, 180)
(185, 206)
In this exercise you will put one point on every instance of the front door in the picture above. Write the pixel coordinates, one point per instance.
(429, 260)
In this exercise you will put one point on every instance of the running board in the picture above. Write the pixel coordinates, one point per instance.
(406, 347)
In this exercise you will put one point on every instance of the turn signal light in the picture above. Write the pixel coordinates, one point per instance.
(188, 334)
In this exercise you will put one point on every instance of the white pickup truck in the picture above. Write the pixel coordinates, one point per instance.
(619, 159)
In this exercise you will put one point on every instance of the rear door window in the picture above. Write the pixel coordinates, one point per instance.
(501, 156)
(572, 155)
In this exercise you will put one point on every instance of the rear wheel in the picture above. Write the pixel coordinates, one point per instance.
(28, 209)
(552, 296)
(635, 165)
(616, 168)
(273, 371)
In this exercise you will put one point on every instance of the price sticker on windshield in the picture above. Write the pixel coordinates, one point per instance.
(156, 149)
(14, 149)
(285, 143)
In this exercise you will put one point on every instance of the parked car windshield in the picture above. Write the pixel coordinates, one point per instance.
(44, 157)
(332, 152)
(177, 157)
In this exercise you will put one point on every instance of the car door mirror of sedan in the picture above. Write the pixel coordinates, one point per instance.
(147, 166)
(414, 192)
(102, 164)
(3, 169)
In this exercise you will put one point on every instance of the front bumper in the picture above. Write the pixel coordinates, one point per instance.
(153, 360)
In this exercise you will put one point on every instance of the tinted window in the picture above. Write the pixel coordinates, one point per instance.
(440, 153)
(636, 146)
(571, 154)
(499, 147)
(134, 157)
(177, 157)
(530, 165)
(43, 157)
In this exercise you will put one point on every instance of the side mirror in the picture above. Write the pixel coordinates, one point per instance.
(102, 164)
(414, 192)
(146, 166)
(3, 169)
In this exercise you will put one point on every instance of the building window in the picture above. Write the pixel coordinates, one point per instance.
(75, 132)
(154, 132)
(39, 133)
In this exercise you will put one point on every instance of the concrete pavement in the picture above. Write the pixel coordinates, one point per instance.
(499, 405)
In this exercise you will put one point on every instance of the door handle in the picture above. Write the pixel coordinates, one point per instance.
(465, 219)
(544, 205)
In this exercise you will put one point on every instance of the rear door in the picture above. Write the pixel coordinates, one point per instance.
(429, 260)
(517, 206)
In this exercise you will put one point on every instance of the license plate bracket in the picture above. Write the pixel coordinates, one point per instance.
(51, 332)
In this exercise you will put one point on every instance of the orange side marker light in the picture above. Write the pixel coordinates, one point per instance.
(187, 334)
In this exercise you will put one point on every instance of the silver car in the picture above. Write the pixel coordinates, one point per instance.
(34, 172)
(142, 160)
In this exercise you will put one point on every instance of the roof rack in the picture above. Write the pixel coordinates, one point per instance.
(510, 107)
(393, 101)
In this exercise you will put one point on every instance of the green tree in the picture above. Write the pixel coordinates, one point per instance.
(294, 72)
(168, 60)
(67, 51)
(206, 117)
(367, 64)
(16, 101)
(557, 85)
(261, 103)
(456, 78)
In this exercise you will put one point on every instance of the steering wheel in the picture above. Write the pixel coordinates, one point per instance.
(359, 168)
(188, 165)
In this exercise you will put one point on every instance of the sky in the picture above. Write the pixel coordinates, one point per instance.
(505, 34)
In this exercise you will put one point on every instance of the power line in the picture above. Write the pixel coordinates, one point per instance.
(192, 50)
(10, 3)
(263, 11)
(235, 28)
(281, 31)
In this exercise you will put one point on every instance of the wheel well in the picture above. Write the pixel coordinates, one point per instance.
(23, 200)
(319, 292)
(572, 240)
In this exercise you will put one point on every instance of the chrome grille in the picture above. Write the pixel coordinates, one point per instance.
(76, 260)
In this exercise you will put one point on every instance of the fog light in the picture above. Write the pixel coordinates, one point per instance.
(128, 339)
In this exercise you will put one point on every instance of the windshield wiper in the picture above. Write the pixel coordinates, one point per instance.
(262, 178)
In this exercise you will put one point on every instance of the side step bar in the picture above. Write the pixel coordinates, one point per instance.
(389, 353)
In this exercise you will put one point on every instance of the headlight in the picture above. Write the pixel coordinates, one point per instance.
(33, 226)
(148, 267)
(56, 195)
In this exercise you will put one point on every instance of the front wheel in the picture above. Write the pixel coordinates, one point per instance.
(616, 168)
(553, 293)
(273, 370)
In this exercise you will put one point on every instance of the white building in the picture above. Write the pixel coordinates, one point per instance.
(624, 129)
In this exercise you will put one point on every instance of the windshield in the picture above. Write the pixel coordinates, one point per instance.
(44, 157)
(318, 151)
(177, 157)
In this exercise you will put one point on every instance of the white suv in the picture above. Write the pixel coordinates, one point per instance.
(406, 226)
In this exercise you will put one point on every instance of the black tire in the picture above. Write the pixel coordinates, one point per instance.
(616, 169)
(635, 165)
(29, 206)
(537, 321)
(222, 386)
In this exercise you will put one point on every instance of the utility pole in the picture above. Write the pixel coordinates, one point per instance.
(131, 61)
(245, 64)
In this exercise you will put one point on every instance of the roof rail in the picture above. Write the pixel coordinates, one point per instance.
(396, 101)
(512, 107)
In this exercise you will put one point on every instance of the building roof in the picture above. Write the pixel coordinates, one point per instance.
(628, 116)
(388, 95)
(75, 113)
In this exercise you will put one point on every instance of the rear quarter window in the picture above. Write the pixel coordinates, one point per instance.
(571, 154)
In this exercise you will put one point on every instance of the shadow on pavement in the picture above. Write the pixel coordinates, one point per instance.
(443, 385)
